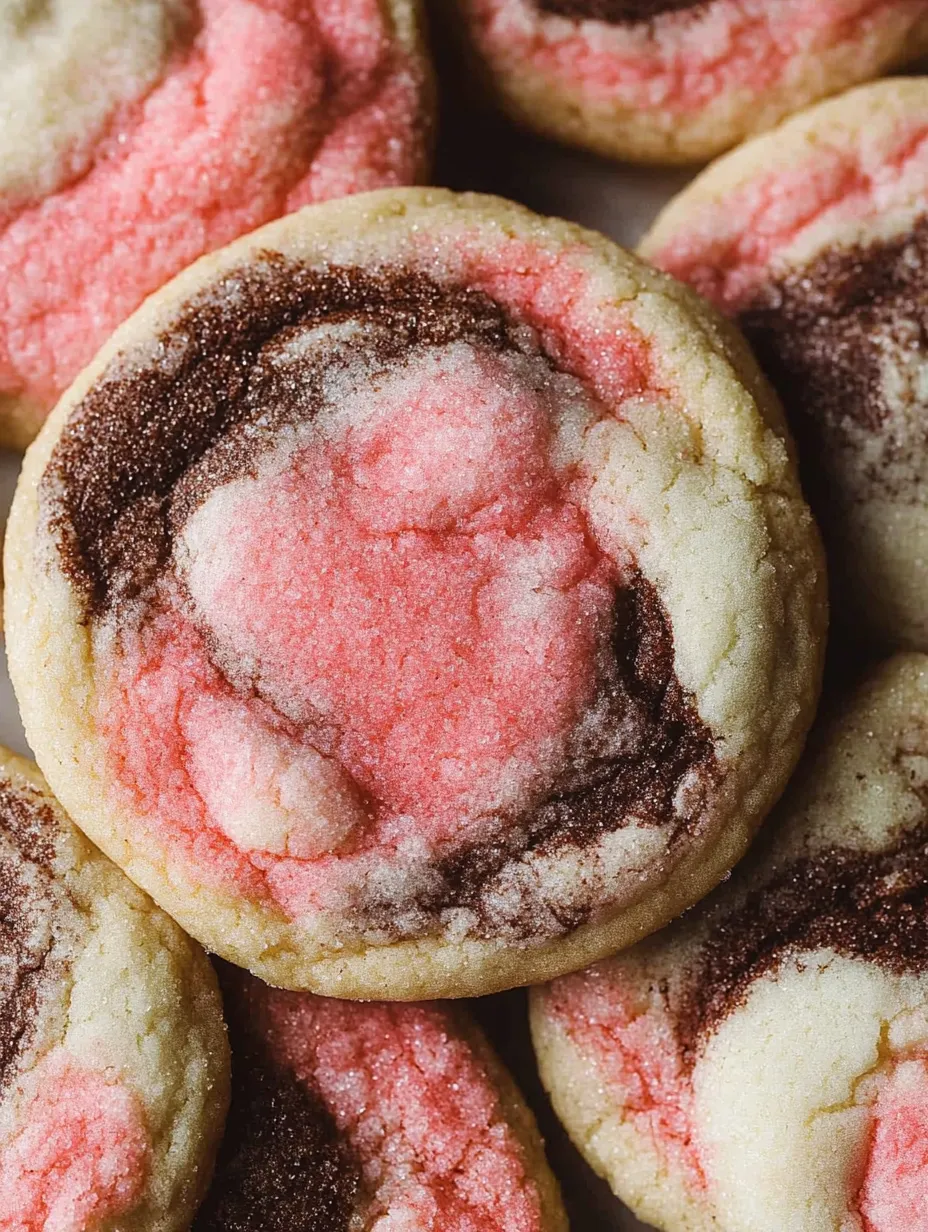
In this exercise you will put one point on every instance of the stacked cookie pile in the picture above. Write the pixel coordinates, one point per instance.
(416, 598)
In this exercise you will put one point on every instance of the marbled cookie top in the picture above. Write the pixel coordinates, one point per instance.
(136, 135)
(39, 925)
(677, 81)
(374, 577)
(815, 239)
(368, 1118)
(767, 1053)
(113, 1062)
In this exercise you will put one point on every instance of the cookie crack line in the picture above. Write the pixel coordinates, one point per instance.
(117, 523)
(869, 905)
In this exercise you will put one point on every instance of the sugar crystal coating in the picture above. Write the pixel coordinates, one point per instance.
(683, 62)
(895, 1189)
(821, 263)
(761, 1064)
(514, 420)
(419, 585)
(365, 651)
(80, 1159)
(261, 108)
(392, 1111)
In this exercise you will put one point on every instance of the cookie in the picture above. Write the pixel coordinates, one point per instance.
(374, 1116)
(136, 135)
(676, 81)
(414, 599)
(815, 239)
(114, 1064)
(761, 1064)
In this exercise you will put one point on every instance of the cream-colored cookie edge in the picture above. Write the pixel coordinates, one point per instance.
(260, 939)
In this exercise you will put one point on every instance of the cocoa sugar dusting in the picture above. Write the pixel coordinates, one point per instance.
(844, 338)
(151, 418)
(861, 904)
(618, 12)
(282, 1165)
(601, 789)
(158, 431)
(27, 899)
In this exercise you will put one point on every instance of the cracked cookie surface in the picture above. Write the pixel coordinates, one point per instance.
(113, 1056)
(763, 1062)
(459, 619)
(677, 81)
(815, 240)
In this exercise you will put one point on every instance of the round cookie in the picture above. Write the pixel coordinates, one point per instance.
(136, 135)
(763, 1063)
(375, 1116)
(414, 599)
(676, 81)
(815, 239)
(114, 1063)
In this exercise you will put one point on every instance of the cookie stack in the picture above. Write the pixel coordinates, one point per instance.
(415, 598)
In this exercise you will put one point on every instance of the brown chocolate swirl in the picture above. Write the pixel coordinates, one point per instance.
(210, 398)
(618, 12)
(282, 1166)
(161, 429)
(861, 904)
(30, 902)
(844, 338)
(670, 750)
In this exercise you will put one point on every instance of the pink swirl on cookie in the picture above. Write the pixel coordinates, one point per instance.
(375, 534)
(680, 79)
(260, 108)
(373, 1116)
(896, 1180)
(648, 1024)
(74, 1147)
(815, 239)
(81, 1157)
(630, 1036)
(390, 611)
(676, 55)
(765, 1059)
(728, 254)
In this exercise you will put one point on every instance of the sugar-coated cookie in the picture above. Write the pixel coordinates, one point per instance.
(815, 239)
(136, 135)
(677, 81)
(371, 1118)
(762, 1064)
(414, 599)
(114, 1064)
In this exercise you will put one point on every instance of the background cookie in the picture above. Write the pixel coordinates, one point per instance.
(815, 239)
(761, 1064)
(113, 1056)
(677, 80)
(371, 1117)
(136, 135)
(432, 608)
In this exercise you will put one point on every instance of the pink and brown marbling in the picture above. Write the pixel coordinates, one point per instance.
(780, 218)
(679, 80)
(377, 649)
(91, 1134)
(370, 1117)
(250, 109)
(423, 629)
(815, 240)
(767, 1056)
